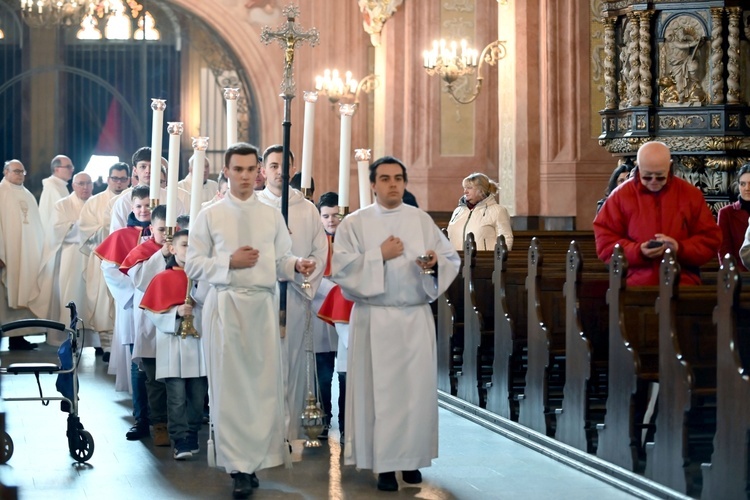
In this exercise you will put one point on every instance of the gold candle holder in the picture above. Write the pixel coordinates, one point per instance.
(152, 204)
(343, 212)
(169, 234)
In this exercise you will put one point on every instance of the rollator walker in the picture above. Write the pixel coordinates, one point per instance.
(80, 441)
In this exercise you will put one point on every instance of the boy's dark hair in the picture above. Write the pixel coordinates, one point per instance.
(180, 234)
(160, 212)
(329, 199)
(183, 221)
(276, 148)
(139, 192)
(385, 160)
(141, 154)
(242, 149)
(120, 166)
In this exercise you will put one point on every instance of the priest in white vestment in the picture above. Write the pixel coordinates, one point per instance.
(94, 228)
(309, 241)
(391, 393)
(123, 204)
(241, 247)
(21, 246)
(210, 187)
(55, 188)
(63, 250)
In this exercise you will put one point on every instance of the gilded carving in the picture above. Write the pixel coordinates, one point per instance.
(610, 89)
(375, 13)
(633, 82)
(459, 5)
(690, 162)
(644, 57)
(680, 121)
(623, 124)
(683, 60)
(697, 144)
(723, 163)
(612, 124)
(640, 122)
(733, 64)
(715, 120)
(734, 120)
(717, 56)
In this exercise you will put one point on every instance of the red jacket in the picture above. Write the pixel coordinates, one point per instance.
(632, 215)
(733, 222)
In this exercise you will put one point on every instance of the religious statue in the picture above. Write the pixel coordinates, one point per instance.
(682, 50)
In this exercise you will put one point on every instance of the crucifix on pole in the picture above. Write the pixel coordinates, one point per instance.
(288, 35)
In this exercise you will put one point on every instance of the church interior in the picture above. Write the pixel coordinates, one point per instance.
(552, 97)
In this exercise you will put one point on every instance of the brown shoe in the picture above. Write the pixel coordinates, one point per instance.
(161, 436)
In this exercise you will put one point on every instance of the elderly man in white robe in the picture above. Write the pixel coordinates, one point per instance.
(62, 249)
(55, 187)
(21, 246)
(308, 240)
(94, 228)
(241, 247)
(210, 187)
(123, 204)
(382, 260)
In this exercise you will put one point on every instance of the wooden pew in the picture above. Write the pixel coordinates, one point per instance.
(726, 476)
(468, 380)
(585, 353)
(504, 339)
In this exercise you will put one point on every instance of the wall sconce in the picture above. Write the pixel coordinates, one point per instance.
(451, 62)
(347, 90)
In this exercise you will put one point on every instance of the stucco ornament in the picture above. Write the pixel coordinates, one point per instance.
(376, 13)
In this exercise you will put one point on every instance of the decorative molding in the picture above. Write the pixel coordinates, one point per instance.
(672, 122)
(375, 14)
(633, 83)
(644, 57)
(610, 83)
(733, 65)
(717, 56)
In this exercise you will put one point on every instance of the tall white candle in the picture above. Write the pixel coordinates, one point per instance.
(346, 110)
(158, 105)
(307, 139)
(363, 176)
(200, 144)
(231, 96)
(175, 130)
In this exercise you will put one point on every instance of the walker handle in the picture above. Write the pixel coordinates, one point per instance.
(31, 323)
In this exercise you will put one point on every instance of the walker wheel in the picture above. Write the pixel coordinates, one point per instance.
(85, 448)
(7, 448)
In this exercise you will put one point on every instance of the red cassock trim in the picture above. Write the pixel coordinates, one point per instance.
(118, 245)
(141, 253)
(166, 290)
(335, 308)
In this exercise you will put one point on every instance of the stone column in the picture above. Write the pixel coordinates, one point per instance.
(717, 57)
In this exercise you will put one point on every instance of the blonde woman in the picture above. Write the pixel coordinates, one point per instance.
(478, 212)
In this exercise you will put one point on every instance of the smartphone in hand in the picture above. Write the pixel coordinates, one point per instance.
(654, 244)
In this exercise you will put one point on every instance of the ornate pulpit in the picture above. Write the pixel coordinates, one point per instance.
(679, 72)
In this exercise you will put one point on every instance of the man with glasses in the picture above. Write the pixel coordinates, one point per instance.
(652, 211)
(94, 228)
(55, 187)
(21, 244)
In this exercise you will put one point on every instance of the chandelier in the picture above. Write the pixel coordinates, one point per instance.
(346, 90)
(54, 13)
(451, 61)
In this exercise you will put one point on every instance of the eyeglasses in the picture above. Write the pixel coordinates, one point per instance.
(18, 172)
(119, 179)
(649, 178)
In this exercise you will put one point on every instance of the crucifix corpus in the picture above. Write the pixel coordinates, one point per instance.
(288, 35)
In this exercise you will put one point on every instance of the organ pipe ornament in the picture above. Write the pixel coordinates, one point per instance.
(733, 52)
(717, 56)
(644, 57)
(610, 82)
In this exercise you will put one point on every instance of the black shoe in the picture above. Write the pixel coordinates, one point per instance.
(105, 357)
(243, 486)
(411, 476)
(20, 344)
(138, 431)
(254, 481)
(98, 351)
(387, 481)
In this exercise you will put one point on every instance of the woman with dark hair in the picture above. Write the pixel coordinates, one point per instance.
(620, 174)
(733, 218)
